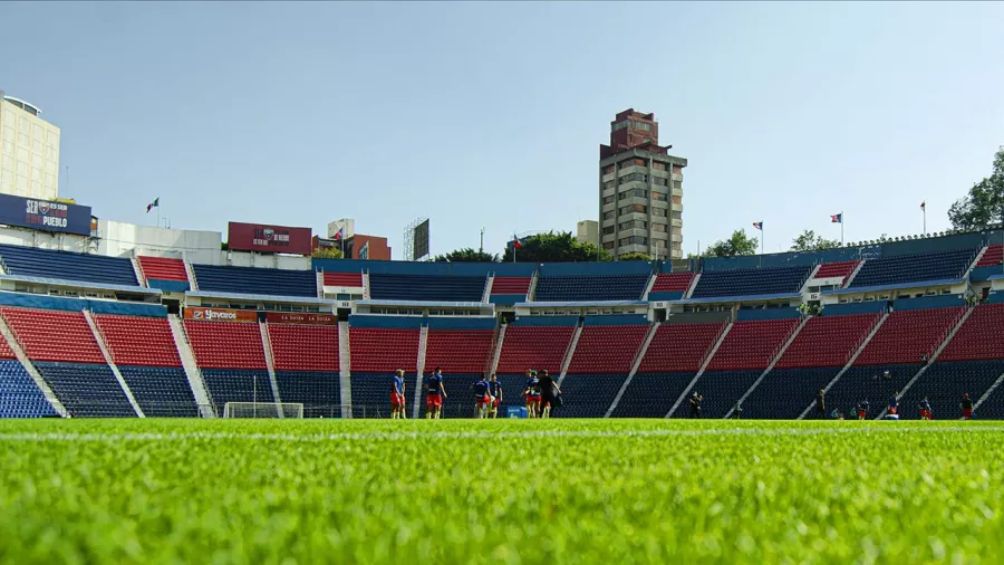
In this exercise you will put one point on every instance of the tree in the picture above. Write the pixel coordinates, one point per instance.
(327, 253)
(809, 241)
(984, 205)
(553, 247)
(635, 256)
(467, 255)
(738, 244)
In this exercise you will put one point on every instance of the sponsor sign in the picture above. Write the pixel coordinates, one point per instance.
(219, 314)
(269, 239)
(297, 318)
(45, 215)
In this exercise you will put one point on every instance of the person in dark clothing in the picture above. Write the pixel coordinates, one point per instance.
(695, 405)
(862, 410)
(924, 408)
(549, 392)
(482, 399)
(967, 406)
(495, 390)
(821, 403)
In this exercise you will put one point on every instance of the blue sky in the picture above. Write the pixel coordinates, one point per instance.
(490, 115)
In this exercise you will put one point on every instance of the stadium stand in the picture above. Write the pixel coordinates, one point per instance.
(307, 367)
(376, 353)
(20, 397)
(461, 348)
(944, 383)
(751, 344)
(721, 390)
(909, 336)
(827, 341)
(600, 363)
(431, 288)
(529, 344)
(232, 360)
(516, 286)
(586, 288)
(352, 280)
(979, 337)
(251, 280)
(993, 407)
(86, 389)
(871, 383)
(165, 273)
(588, 395)
(66, 265)
(750, 282)
(143, 349)
(945, 265)
(54, 335)
(650, 395)
(993, 256)
(841, 269)
(670, 286)
(784, 393)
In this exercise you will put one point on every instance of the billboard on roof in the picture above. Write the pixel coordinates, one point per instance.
(268, 239)
(45, 215)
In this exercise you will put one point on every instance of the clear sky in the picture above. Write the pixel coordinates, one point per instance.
(490, 115)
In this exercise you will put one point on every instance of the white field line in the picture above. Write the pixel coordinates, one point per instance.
(485, 434)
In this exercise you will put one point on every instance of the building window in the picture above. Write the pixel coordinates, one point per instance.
(656, 165)
(608, 245)
(608, 215)
(677, 184)
(677, 215)
(659, 181)
(634, 177)
(677, 201)
(659, 212)
(660, 196)
(663, 228)
(608, 230)
(641, 126)
(608, 199)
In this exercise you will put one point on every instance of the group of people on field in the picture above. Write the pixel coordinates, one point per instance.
(540, 395)
(862, 410)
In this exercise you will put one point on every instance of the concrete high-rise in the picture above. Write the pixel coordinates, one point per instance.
(29, 151)
(641, 190)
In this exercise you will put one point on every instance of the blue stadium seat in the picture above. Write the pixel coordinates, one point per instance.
(992, 408)
(721, 390)
(251, 280)
(588, 396)
(750, 282)
(943, 385)
(319, 392)
(35, 262)
(651, 395)
(910, 268)
(427, 288)
(784, 393)
(512, 390)
(237, 385)
(86, 390)
(371, 394)
(19, 396)
(161, 392)
(584, 288)
(867, 383)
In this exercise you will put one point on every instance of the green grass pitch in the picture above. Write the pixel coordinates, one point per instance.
(601, 491)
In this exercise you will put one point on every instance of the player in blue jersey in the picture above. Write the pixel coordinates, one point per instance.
(924, 407)
(435, 394)
(482, 398)
(495, 390)
(531, 392)
(397, 396)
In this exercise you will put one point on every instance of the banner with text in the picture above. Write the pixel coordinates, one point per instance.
(45, 215)
(268, 239)
(220, 314)
(296, 318)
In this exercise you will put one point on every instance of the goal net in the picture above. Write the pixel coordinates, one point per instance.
(263, 410)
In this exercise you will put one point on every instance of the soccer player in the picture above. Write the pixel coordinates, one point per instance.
(495, 390)
(967, 406)
(821, 403)
(482, 400)
(695, 405)
(397, 396)
(532, 393)
(549, 392)
(435, 394)
(862, 410)
(892, 410)
(924, 407)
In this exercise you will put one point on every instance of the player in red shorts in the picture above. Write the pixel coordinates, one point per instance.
(967, 406)
(495, 390)
(925, 410)
(482, 399)
(397, 396)
(531, 392)
(435, 395)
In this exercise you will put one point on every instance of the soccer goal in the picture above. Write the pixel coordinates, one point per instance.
(263, 410)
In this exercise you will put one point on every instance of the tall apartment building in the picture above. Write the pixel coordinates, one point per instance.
(641, 190)
(29, 151)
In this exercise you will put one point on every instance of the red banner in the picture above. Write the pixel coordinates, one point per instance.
(219, 314)
(296, 318)
(268, 239)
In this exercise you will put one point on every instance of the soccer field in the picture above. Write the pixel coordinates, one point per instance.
(508, 491)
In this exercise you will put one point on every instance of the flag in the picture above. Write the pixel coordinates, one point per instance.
(837, 218)
(340, 233)
(923, 205)
(516, 243)
(758, 225)
(152, 205)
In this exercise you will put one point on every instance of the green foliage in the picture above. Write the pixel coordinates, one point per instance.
(984, 205)
(635, 256)
(467, 255)
(463, 491)
(809, 241)
(327, 253)
(554, 247)
(738, 244)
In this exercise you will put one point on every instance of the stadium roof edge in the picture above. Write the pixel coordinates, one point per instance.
(83, 284)
(897, 286)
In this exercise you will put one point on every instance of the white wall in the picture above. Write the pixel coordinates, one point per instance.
(29, 154)
(121, 239)
(248, 259)
(46, 240)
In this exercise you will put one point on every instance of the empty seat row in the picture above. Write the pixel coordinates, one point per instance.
(751, 344)
(651, 395)
(588, 395)
(226, 345)
(383, 349)
(318, 391)
(237, 385)
(994, 255)
(534, 347)
(911, 268)
(909, 336)
(20, 397)
(86, 389)
(979, 337)
(944, 383)
(510, 285)
(586, 288)
(458, 351)
(36, 262)
(301, 347)
(747, 282)
(139, 340)
(371, 393)
(841, 269)
(54, 335)
(721, 391)
(352, 280)
(432, 288)
(251, 280)
(607, 349)
(827, 341)
(161, 392)
(163, 268)
(679, 347)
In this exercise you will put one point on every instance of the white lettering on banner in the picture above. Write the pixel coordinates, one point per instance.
(208, 314)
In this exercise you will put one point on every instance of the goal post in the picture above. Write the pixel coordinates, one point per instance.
(263, 410)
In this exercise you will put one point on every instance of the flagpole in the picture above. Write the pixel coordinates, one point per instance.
(841, 229)
(924, 210)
